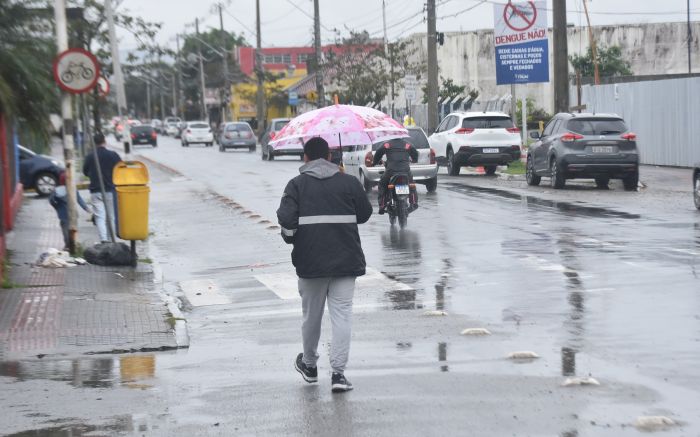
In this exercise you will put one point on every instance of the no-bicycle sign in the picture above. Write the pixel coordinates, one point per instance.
(520, 37)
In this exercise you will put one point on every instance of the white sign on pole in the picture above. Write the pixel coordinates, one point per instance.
(410, 83)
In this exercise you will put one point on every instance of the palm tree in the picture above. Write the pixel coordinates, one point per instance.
(27, 91)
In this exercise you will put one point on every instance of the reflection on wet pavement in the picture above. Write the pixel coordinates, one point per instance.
(126, 370)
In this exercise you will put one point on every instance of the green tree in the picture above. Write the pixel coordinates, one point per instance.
(610, 62)
(27, 90)
(534, 114)
(398, 64)
(449, 89)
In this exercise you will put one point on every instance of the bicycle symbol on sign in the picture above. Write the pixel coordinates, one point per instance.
(75, 71)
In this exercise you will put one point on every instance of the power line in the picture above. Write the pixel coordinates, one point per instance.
(462, 11)
(307, 14)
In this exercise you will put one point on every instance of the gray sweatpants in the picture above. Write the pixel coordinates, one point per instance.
(339, 293)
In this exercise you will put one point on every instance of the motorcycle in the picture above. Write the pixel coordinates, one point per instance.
(401, 199)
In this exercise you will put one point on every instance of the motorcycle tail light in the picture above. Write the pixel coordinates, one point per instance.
(390, 186)
(369, 159)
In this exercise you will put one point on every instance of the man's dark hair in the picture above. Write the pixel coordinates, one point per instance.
(316, 148)
(99, 138)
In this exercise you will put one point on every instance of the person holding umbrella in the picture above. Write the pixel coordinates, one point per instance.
(319, 214)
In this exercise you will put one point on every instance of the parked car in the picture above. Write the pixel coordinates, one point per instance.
(487, 139)
(597, 146)
(236, 135)
(268, 153)
(38, 171)
(197, 132)
(358, 162)
(696, 185)
(144, 134)
(170, 126)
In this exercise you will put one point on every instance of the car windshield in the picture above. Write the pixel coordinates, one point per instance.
(597, 126)
(199, 126)
(418, 139)
(144, 128)
(487, 122)
(278, 125)
(237, 128)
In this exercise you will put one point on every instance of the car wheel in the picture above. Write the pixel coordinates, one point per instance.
(367, 185)
(431, 185)
(696, 193)
(557, 178)
(530, 175)
(631, 182)
(602, 183)
(452, 169)
(490, 170)
(45, 183)
(251, 149)
(222, 148)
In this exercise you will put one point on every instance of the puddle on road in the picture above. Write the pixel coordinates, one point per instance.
(531, 201)
(119, 425)
(133, 371)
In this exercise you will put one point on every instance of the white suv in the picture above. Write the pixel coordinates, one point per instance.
(487, 139)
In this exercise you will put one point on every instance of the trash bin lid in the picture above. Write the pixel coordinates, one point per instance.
(130, 173)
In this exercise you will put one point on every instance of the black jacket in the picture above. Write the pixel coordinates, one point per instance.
(319, 214)
(399, 155)
(108, 159)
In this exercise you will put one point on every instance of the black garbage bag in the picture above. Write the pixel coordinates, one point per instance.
(109, 254)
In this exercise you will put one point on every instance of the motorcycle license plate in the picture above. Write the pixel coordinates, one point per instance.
(402, 189)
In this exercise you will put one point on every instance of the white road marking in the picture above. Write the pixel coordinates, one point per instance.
(587, 380)
(284, 284)
(203, 292)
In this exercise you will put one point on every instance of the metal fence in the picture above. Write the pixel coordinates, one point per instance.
(419, 112)
(665, 115)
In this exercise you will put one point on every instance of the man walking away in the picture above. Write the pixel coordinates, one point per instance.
(107, 159)
(319, 214)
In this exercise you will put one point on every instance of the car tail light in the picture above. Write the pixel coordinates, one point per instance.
(369, 159)
(432, 156)
(513, 130)
(630, 136)
(272, 135)
(465, 130)
(133, 136)
(229, 136)
(570, 137)
(245, 134)
(154, 135)
(390, 186)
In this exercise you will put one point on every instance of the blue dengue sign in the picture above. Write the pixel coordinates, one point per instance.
(520, 37)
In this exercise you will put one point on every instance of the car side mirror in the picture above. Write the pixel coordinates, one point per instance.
(535, 135)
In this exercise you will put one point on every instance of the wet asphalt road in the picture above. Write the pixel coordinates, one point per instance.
(601, 284)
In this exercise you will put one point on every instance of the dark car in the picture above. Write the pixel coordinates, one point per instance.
(696, 185)
(38, 172)
(236, 135)
(144, 134)
(593, 146)
(268, 152)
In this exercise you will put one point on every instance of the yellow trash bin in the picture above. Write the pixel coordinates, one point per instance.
(130, 179)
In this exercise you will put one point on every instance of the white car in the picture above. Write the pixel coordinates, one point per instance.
(487, 139)
(170, 126)
(357, 161)
(197, 132)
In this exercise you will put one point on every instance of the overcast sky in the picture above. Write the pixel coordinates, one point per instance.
(290, 23)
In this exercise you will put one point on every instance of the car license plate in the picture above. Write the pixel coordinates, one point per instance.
(402, 189)
(491, 150)
(143, 140)
(602, 149)
(239, 143)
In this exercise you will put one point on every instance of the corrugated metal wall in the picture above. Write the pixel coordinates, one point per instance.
(665, 115)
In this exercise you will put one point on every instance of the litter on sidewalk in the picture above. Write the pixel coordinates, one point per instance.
(54, 258)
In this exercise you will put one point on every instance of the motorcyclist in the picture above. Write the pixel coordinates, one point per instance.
(399, 155)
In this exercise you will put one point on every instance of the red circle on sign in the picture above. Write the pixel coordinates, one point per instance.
(103, 86)
(95, 68)
(519, 13)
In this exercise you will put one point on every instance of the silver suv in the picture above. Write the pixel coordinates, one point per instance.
(597, 146)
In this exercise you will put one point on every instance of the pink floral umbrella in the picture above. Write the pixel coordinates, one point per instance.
(339, 125)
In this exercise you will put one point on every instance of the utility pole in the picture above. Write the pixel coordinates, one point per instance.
(227, 87)
(203, 111)
(122, 109)
(161, 88)
(690, 41)
(148, 99)
(179, 75)
(260, 96)
(67, 115)
(594, 50)
(317, 46)
(561, 57)
(433, 69)
(391, 60)
(386, 40)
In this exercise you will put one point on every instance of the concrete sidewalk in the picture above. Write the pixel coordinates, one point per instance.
(77, 310)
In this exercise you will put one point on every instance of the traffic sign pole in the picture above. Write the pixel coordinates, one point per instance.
(68, 146)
